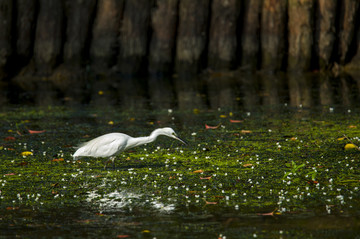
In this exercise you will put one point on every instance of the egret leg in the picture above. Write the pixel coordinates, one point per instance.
(112, 159)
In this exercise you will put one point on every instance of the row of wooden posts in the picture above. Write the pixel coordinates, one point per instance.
(159, 37)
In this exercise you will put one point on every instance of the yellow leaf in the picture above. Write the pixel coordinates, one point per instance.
(247, 165)
(350, 146)
(341, 138)
(111, 122)
(146, 231)
(196, 111)
(101, 92)
(246, 131)
(231, 114)
(26, 153)
(198, 171)
(352, 126)
(223, 116)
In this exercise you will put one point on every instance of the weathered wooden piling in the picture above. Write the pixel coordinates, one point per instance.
(250, 35)
(49, 36)
(347, 28)
(79, 19)
(105, 33)
(134, 36)
(164, 20)
(325, 31)
(223, 38)
(25, 25)
(300, 34)
(192, 35)
(6, 11)
(273, 29)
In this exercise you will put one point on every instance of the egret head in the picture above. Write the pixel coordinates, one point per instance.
(170, 133)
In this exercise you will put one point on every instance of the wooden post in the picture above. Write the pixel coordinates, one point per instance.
(104, 44)
(300, 34)
(347, 28)
(79, 14)
(250, 37)
(25, 26)
(325, 31)
(273, 29)
(134, 36)
(6, 10)
(192, 35)
(49, 36)
(162, 45)
(222, 38)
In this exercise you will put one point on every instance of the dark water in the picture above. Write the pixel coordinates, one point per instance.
(236, 90)
(133, 216)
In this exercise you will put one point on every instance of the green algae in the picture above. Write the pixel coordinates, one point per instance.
(288, 162)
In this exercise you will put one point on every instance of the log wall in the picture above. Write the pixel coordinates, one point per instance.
(176, 37)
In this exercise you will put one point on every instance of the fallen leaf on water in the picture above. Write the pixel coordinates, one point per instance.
(172, 177)
(36, 131)
(352, 126)
(350, 146)
(198, 171)
(341, 138)
(111, 122)
(246, 131)
(223, 116)
(26, 153)
(247, 165)
(206, 178)
(211, 127)
(12, 208)
(9, 174)
(293, 138)
(210, 203)
(269, 213)
(146, 231)
(9, 138)
(122, 236)
(23, 163)
(236, 121)
(58, 160)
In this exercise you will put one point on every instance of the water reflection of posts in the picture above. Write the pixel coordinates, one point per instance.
(300, 88)
(326, 91)
(249, 90)
(271, 88)
(188, 92)
(221, 91)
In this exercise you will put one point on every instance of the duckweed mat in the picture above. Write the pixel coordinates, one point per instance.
(271, 173)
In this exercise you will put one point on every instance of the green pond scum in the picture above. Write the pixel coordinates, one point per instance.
(274, 173)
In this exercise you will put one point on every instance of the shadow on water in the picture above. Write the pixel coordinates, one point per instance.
(211, 90)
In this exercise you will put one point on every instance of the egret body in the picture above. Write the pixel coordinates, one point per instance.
(110, 145)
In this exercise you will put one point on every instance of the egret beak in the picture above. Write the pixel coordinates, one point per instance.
(178, 138)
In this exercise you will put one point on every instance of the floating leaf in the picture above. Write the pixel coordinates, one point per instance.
(36, 131)
(352, 126)
(293, 138)
(236, 121)
(111, 122)
(23, 164)
(211, 127)
(350, 146)
(146, 231)
(122, 236)
(223, 116)
(210, 203)
(206, 178)
(246, 131)
(247, 165)
(26, 153)
(10, 138)
(196, 111)
(341, 138)
(9, 174)
(198, 171)
(58, 160)
(101, 92)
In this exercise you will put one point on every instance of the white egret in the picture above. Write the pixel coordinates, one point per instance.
(110, 145)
